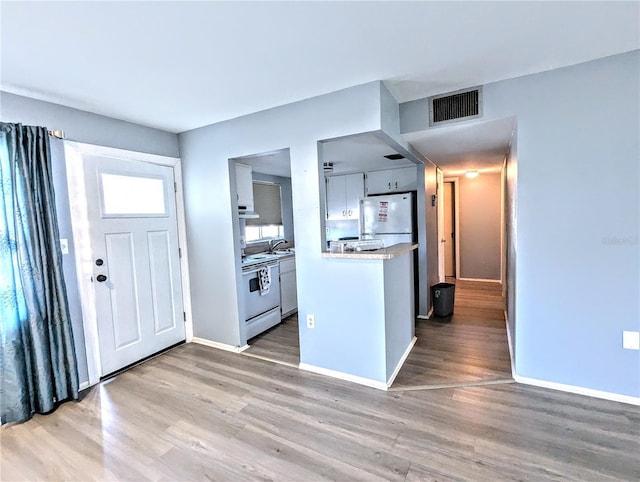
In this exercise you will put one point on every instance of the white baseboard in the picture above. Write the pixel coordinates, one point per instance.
(429, 315)
(219, 346)
(401, 362)
(84, 385)
(482, 279)
(343, 376)
(510, 342)
(615, 397)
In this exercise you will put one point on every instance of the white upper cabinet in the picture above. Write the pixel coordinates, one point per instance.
(392, 180)
(343, 194)
(244, 184)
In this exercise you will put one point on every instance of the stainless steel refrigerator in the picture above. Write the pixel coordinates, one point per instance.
(389, 218)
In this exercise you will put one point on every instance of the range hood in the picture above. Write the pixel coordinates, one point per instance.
(244, 214)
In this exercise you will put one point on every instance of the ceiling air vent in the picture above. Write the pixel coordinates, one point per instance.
(394, 157)
(327, 167)
(455, 106)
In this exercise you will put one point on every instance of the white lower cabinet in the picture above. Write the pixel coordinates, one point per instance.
(288, 293)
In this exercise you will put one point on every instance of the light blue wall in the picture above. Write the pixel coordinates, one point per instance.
(211, 226)
(346, 340)
(88, 128)
(287, 200)
(425, 212)
(578, 257)
(511, 237)
(398, 310)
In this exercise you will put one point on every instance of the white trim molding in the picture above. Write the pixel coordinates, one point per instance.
(84, 385)
(219, 346)
(343, 376)
(589, 392)
(511, 345)
(428, 315)
(403, 358)
(483, 280)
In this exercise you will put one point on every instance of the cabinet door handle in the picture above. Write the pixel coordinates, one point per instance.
(389, 186)
(344, 214)
(349, 213)
(396, 184)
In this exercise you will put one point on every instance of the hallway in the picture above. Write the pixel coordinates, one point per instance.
(468, 348)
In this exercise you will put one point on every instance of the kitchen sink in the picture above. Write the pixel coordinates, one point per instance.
(284, 254)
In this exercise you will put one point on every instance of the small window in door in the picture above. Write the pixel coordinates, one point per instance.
(126, 196)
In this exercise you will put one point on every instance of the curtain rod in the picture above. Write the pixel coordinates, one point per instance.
(57, 134)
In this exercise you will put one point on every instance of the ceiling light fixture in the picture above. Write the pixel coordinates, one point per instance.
(472, 174)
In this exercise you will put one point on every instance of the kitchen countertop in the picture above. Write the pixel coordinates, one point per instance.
(384, 253)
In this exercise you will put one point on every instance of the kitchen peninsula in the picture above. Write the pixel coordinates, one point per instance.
(375, 310)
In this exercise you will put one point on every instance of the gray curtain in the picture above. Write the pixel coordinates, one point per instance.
(37, 357)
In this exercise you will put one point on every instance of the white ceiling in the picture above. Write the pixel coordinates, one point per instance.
(359, 153)
(276, 163)
(470, 145)
(181, 65)
(364, 152)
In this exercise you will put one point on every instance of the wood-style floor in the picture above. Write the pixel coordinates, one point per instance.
(197, 413)
(467, 347)
(279, 344)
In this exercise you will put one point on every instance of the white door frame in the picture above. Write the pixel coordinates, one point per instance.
(503, 239)
(80, 226)
(440, 218)
(456, 214)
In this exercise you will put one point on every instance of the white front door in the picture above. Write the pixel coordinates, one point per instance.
(135, 258)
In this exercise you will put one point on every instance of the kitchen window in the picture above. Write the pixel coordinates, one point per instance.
(268, 205)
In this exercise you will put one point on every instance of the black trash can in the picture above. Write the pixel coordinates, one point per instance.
(443, 295)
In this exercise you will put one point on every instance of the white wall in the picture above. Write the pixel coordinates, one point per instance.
(480, 226)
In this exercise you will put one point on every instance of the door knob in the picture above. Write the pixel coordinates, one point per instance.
(101, 278)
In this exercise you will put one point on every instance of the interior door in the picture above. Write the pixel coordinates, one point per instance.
(136, 271)
(449, 230)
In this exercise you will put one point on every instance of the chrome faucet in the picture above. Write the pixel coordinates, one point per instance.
(273, 246)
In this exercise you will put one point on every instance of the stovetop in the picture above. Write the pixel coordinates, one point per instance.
(254, 259)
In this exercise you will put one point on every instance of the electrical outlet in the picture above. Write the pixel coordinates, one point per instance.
(311, 321)
(631, 340)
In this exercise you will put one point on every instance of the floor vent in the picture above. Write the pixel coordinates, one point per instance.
(455, 106)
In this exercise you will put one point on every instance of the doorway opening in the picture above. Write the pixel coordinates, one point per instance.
(449, 234)
(267, 290)
(471, 346)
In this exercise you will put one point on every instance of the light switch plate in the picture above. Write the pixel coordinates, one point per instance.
(64, 246)
(631, 340)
